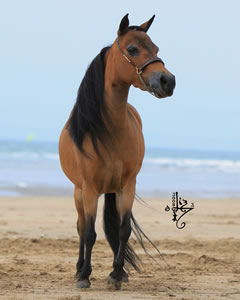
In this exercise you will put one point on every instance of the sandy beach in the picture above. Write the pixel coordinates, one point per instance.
(39, 245)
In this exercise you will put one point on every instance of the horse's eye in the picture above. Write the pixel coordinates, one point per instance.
(132, 50)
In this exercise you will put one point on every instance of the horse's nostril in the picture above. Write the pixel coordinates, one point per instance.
(163, 80)
(167, 83)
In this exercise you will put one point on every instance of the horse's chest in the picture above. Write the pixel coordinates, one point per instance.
(116, 173)
(122, 163)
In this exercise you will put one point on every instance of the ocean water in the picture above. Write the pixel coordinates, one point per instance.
(28, 168)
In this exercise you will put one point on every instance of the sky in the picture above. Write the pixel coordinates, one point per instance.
(46, 46)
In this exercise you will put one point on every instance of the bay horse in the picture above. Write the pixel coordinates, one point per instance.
(101, 147)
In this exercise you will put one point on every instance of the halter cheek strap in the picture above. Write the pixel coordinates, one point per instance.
(139, 70)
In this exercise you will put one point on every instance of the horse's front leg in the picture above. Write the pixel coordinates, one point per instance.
(86, 199)
(81, 226)
(125, 206)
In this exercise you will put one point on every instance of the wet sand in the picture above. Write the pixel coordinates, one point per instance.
(39, 246)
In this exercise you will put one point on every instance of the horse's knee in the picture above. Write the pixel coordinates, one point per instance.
(81, 228)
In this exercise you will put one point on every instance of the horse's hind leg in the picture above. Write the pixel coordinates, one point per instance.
(87, 205)
(125, 206)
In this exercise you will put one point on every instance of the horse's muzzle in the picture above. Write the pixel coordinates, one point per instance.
(162, 84)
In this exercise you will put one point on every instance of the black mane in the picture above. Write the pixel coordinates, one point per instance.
(137, 28)
(89, 109)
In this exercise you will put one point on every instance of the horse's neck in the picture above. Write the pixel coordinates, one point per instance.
(115, 95)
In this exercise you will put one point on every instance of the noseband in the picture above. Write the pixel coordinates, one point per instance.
(139, 70)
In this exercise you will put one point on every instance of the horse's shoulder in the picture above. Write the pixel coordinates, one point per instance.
(134, 112)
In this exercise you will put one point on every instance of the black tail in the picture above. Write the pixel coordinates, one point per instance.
(111, 227)
(111, 224)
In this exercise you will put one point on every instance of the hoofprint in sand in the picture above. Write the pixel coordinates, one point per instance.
(39, 245)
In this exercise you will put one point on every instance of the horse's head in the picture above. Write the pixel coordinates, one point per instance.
(138, 61)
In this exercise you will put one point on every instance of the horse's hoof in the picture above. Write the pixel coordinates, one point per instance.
(83, 284)
(116, 284)
(125, 277)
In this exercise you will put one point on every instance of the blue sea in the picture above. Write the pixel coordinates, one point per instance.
(33, 168)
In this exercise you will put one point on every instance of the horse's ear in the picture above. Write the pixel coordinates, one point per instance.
(123, 27)
(145, 26)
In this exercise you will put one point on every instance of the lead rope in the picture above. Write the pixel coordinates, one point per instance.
(143, 82)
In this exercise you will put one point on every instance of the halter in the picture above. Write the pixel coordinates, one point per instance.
(139, 70)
